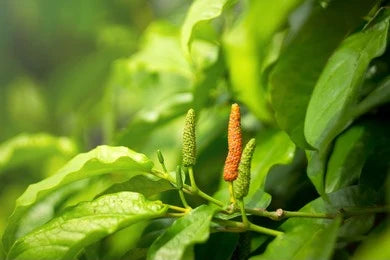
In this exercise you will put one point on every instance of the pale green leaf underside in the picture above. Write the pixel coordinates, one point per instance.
(25, 148)
(184, 233)
(88, 222)
(99, 161)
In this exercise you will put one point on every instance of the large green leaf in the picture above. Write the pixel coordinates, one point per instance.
(306, 238)
(251, 45)
(26, 148)
(293, 78)
(101, 160)
(339, 84)
(200, 10)
(86, 223)
(184, 233)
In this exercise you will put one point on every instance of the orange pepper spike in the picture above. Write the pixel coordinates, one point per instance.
(230, 171)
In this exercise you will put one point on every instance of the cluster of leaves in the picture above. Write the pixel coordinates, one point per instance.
(313, 80)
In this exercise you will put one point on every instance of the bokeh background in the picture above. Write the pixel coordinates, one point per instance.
(78, 74)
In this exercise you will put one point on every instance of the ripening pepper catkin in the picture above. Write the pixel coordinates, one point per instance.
(230, 171)
(241, 185)
(189, 142)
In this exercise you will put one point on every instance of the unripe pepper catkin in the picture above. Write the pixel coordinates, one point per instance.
(189, 142)
(241, 185)
(230, 171)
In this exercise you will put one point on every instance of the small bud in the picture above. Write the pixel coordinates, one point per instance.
(189, 142)
(160, 157)
(241, 185)
(230, 171)
(179, 180)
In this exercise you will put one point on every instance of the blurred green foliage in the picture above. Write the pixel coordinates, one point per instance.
(312, 79)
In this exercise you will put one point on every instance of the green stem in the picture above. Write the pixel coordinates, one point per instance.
(174, 215)
(243, 213)
(177, 208)
(264, 230)
(209, 198)
(346, 212)
(183, 200)
(240, 227)
(192, 179)
(189, 189)
(231, 192)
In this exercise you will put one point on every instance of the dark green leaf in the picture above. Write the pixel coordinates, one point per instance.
(340, 82)
(88, 222)
(293, 78)
(251, 46)
(184, 233)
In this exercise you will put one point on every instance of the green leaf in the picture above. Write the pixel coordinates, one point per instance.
(347, 159)
(339, 84)
(251, 46)
(200, 11)
(145, 184)
(26, 148)
(46, 209)
(184, 233)
(86, 223)
(308, 242)
(99, 161)
(306, 238)
(293, 78)
(274, 147)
